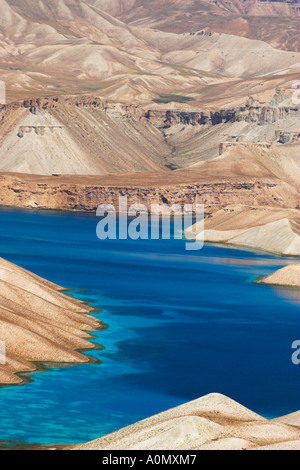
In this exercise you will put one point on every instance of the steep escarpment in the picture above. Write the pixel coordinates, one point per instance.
(238, 160)
(78, 135)
(85, 193)
(197, 136)
(39, 324)
(280, 107)
(87, 135)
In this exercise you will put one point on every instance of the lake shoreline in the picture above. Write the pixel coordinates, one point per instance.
(30, 305)
(171, 301)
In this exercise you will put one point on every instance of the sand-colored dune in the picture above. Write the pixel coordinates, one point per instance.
(264, 228)
(213, 422)
(38, 323)
(287, 276)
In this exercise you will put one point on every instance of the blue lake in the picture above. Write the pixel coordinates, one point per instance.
(180, 325)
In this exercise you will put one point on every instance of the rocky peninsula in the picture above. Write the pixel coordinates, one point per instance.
(39, 324)
(287, 276)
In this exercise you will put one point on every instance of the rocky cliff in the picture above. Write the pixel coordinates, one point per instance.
(80, 193)
(87, 135)
(253, 111)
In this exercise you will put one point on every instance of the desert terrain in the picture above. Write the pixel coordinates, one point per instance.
(165, 102)
(57, 48)
(269, 229)
(287, 276)
(272, 21)
(213, 422)
(76, 152)
(39, 324)
(104, 99)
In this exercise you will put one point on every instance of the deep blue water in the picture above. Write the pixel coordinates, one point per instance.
(180, 325)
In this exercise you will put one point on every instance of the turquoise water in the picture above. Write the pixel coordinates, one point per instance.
(180, 325)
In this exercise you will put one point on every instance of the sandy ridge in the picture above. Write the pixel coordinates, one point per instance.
(212, 422)
(265, 228)
(38, 323)
(287, 276)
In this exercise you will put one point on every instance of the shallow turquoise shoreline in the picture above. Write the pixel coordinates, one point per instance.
(180, 326)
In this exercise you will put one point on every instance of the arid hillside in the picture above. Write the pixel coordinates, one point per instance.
(212, 422)
(275, 21)
(39, 324)
(74, 47)
(89, 136)
(78, 136)
(265, 228)
(287, 276)
(162, 101)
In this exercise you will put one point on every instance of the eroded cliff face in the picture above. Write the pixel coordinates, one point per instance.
(285, 137)
(36, 104)
(87, 193)
(253, 111)
(78, 135)
(89, 136)
(224, 146)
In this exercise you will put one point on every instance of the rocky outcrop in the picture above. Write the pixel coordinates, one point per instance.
(91, 136)
(36, 105)
(169, 118)
(284, 137)
(38, 130)
(224, 146)
(81, 193)
(48, 103)
(253, 111)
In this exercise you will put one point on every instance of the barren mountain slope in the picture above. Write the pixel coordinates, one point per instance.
(281, 161)
(79, 137)
(195, 144)
(68, 47)
(275, 22)
(86, 135)
(212, 422)
(39, 323)
(266, 228)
